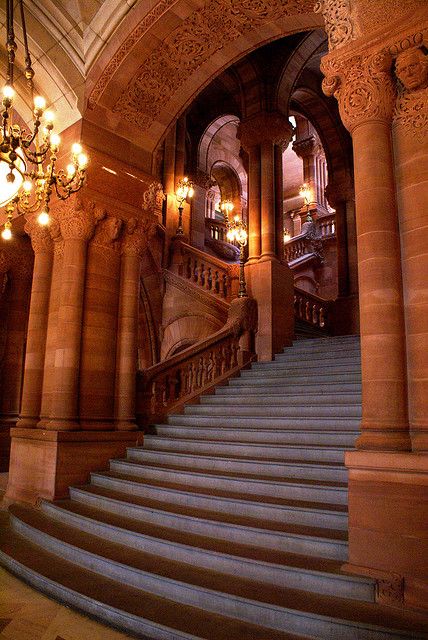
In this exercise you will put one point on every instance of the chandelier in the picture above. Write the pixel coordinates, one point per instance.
(28, 175)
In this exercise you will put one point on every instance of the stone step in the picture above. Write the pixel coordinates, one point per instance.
(130, 609)
(266, 434)
(248, 449)
(270, 536)
(271, 409)
(212, 591)
(321, 357)
(331, 342)
(277, 387)
(252, 485)
(330, 375)
(268, 422)
(251, 507)
(279, 399)
(281, 569)
(298, 369)
(312, 471)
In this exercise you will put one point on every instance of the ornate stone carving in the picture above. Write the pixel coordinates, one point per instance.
(137, 235)
(40, 236)
(153, 197)
(307, 147)
(363, 86)
(243, 315)
(189, 46)
(271, 127)
(77, 219)
(390, 591)
(411, 109)
(339, 23)
(203, 180)
(107, 233)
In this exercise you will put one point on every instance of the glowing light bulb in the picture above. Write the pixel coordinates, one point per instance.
(191, 192)
(55, 140)
(8, 92)
(71, 170)
(82, 160)
(76, 148)
(39, 103)
(6, 234)
(43, 218)
(27, 185)
(49, 116)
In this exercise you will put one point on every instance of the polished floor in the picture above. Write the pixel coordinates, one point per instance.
(26, 614)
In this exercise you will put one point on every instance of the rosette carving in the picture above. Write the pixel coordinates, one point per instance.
(339, 23)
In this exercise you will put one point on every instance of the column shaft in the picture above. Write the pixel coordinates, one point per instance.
(254, 214)
(267, 201)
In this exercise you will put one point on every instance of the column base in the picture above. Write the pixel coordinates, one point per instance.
(43, 464)
(126, 425)
(375, 437)
(419, 436)
(388, 512)
(57, 424)
(268, 257)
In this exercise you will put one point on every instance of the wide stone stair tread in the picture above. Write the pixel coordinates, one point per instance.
(238, 476)
(152, 437)
(220, 493)
(223, 518)
(213, 581)
(240, 550)
(183, 621)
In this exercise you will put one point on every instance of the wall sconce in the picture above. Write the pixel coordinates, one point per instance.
(287, 236)
(237, 231)
(306, 193)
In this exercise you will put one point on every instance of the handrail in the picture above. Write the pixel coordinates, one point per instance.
(166, 386)
(312, 309)
(206, 271)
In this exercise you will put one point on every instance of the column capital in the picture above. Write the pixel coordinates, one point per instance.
(411, 109)
(337, 192)
(153, 198)
(362, 84)
(307, 147)
(137, 235)
(41, 239)
(263, 127)
(77, 218)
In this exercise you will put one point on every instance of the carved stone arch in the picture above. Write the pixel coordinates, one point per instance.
(207, 137)
(231, 179)
(187, 329)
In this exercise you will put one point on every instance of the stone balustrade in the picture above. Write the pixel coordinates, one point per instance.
(311, 309)
(327, 226)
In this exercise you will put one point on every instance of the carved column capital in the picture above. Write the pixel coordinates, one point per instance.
(153, 199)
(77, 219)
(307, 147)
(41, 239)
(363, 86)
(137, 235)
(265, 126)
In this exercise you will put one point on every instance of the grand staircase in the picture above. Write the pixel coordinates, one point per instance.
(229, 524)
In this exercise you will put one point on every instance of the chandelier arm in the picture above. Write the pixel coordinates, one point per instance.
(10, 44)
(29, 72)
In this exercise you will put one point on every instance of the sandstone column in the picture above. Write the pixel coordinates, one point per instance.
(77, 226)
(37, 324)
(366, 95)
(133, 244)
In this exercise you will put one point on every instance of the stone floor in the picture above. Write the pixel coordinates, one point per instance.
(26, 614)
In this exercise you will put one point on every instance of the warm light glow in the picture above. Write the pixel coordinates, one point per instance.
(287, 235)
(43, 218)
(184, 190)
(71, 170)
(306, 193)
(27, 185)
(82, 160)
(49, 116)
(55, 140)
(6, 234)
(9, 189)
(8, 92)
(76, 148)
(39, 103)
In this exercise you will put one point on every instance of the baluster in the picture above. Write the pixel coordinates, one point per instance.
(210, 367)
(208, 279)
(188, 268)
(216, 282)
(199, 373)
(225, 286)
(234, 354)
(217, 363)
(301, 308)
(322, 318)
(202, 275)
(315, 314)
(307, 311)
(195, 270)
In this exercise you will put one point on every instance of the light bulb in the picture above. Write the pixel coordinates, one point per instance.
(55, 140)
(39, 103)
(6, 234)
(8, 92)
(191, 192)
(43, 218)
(49, 116)
(71, 170)
(82, 160)
(76, 148)
(27, 185)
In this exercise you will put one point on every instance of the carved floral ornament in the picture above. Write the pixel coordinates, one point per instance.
(190, 45)
(339, 23)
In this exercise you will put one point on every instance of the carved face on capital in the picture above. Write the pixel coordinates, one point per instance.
(131, 225)
(113, 227)
(411, 68)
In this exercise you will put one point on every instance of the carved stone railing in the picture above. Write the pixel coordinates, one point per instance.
(327, 226)
(206, 271)
(297, 247)
(312, 309)
(215, 229)
(166, 386)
